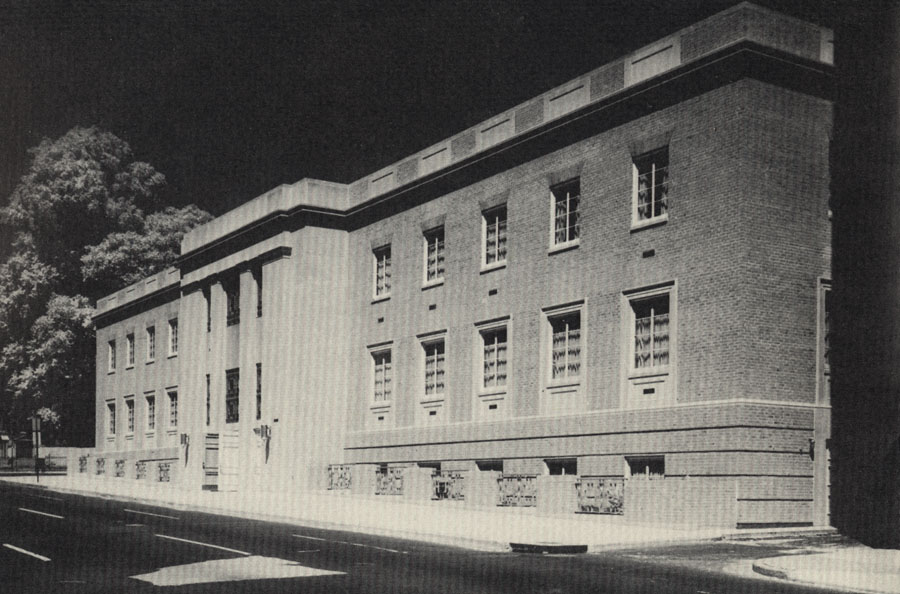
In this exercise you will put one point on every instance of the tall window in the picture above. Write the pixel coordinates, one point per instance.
(129, 350)
(232, 395)
(494, 226)
(173, 408)
(566, 218)
(232, 303)
(151, 343)
(111, 355)
(129, 411)
(565, 346)
(151, 412)
(382, 271)
(173, 336)
(208, 399)
(207, 298)
(434, 367)
(494, 358)
(434, 255)
(382, 389)
(111, 418)
(651, 186)
(825, 341)
(651, 332)
(258, 391)
(257, 278)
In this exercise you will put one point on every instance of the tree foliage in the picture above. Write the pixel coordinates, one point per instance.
(81, 230)
(79, 188)
(126, 257)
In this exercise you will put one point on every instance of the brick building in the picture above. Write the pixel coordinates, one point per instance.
(610, 297)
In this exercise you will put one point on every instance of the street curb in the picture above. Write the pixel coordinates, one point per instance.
(762, 569)
(439, 539)
(466, 543)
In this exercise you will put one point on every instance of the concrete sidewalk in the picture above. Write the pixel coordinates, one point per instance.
(853, 569)
(440, 522)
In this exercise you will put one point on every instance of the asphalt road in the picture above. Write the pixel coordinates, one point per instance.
(55, 542)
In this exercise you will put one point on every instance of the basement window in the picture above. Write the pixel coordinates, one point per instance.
(562, 466)
(647, 467)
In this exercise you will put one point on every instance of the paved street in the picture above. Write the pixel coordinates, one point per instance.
(52, 541)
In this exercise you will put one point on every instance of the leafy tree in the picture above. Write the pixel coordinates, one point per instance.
(79, 188)
(126, 257)
(80, 231)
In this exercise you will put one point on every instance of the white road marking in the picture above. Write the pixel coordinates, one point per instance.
(24, 552)
(204, 544)
(228, 570)
(355, 544)
(50, 498)
(308, 551)
(132, 525)
(134, 511)
(40, 513)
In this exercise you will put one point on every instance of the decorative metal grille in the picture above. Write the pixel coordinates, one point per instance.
(601, 495)
(339, 476)
(140, 470)
(120, 468)
(389, 481)
(101, 465)
(164, 468)
(82, 464)
(448, 484)
(518, 490)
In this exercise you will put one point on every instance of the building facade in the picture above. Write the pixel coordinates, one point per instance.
(610, 298)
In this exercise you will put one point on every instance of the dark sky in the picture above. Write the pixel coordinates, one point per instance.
(229, 99)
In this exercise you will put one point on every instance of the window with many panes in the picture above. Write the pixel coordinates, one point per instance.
(434, 255)
(434, 367)
(129, 350)
(566, 225)
(129, 414)
(494, 358)
(825, 341)
(650, 333)
(232, 303)
(258, 391)
(173, 408)
(381, 362)
(151, 412)
(494, 236)
(173, 336)
(232, 395)
(651, 187)
(565, 346)
(111, 418)
(111, 355)
(151, 343)
(382, 284)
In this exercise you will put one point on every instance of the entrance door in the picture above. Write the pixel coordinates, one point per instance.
(211, 463)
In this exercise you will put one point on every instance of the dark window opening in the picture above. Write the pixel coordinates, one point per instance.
(561, 466)
(232, 395)
(649, 467)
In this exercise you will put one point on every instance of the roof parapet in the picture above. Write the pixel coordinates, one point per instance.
(142, 288)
